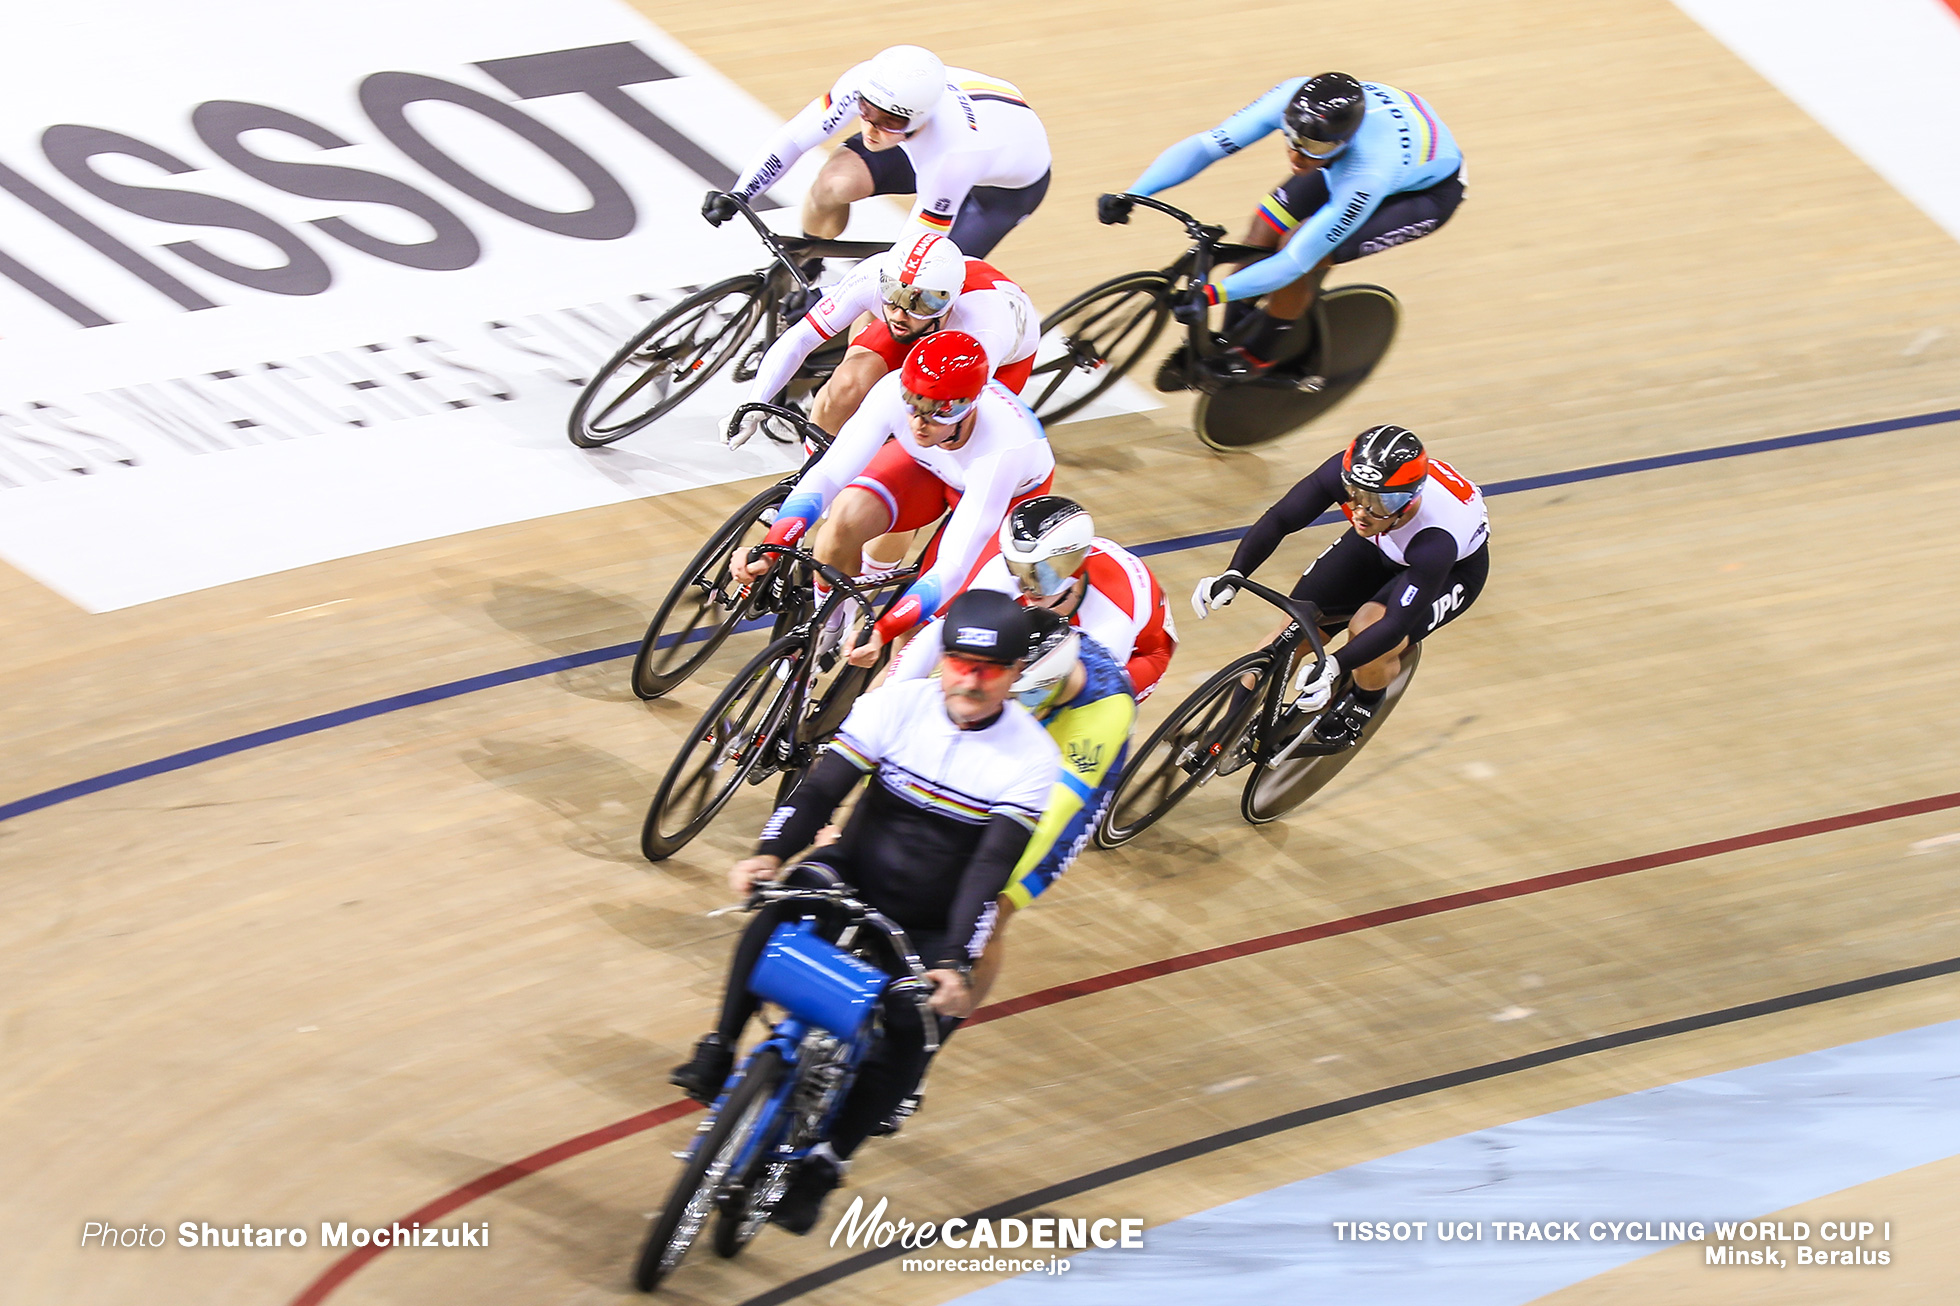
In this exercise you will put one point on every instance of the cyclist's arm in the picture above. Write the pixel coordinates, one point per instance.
(1319, 491)
(990, 488)
(997, 320)
(835, 312)
(793, 826)
(944, 184)
(1091, 738)
(1194, 154)
(1353, 194)
(986, 874)
(1431, 555)
(814, 124)
(857, 441)
(1151, 654)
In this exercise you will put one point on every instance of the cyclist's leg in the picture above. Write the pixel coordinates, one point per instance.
(1401, 218)
(853, 172)
(1466, 582)
(847, 386)
(895, 1066)
(894, 493)
(990, 212)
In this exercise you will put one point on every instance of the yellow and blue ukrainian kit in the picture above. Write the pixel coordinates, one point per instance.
(1093, 731)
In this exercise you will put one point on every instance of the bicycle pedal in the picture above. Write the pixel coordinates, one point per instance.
(1310, 385)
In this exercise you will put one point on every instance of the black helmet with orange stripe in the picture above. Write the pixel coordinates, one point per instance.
(1383, 470)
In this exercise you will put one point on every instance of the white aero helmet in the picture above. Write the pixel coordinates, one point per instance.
(1044, 541)
(1056, 650)
(906, 82)
(924, 277)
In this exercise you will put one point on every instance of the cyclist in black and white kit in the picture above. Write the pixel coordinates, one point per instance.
(959, 777)
(1415, 559)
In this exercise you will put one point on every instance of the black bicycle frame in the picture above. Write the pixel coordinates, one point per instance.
(1207, 251)
(1305, 625)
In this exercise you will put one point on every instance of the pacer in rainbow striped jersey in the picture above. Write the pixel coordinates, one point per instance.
(1372, 167)
(966, 144)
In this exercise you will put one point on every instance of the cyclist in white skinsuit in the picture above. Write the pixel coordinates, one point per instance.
(965, 144)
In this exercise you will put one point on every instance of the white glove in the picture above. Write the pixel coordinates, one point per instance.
(1314, 691)
(742, 428)
(1214, 592)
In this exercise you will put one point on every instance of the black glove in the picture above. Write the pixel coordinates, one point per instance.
(718, 208)
(1190, 307)
(1112, 210)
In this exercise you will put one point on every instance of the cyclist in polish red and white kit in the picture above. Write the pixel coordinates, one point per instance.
(913, 290)
(938, 434)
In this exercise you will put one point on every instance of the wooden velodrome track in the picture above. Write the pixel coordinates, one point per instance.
(340, 976)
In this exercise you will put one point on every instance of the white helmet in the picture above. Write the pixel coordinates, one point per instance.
(1056, 651)
(1044, 542)
(923, 278)
(905, 81)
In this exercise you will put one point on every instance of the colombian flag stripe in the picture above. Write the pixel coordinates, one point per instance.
(1428, 128)
(1275, 215)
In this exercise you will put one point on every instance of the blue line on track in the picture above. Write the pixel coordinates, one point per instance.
(551, 666)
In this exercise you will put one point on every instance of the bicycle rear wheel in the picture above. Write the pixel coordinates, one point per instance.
(1272, 792)
(667, 362)
(726, 744)
(1101, 333)
(745, 1114)
(1182, 753)
(1355, 325)
(691, 623)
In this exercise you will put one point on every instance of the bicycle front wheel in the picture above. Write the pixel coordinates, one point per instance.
(692, 622)
(746, 720)
(743, 1116)
(667, 362)
(1182, 753)
(1091, 341)
(1273, 791)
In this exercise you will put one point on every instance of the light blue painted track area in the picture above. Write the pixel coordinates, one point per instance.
(1733, 1146)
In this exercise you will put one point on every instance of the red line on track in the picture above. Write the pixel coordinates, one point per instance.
(502, 1177)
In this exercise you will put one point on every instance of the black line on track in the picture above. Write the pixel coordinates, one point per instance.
(1198, 1147)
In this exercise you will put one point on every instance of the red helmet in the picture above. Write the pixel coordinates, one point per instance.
(943, 375)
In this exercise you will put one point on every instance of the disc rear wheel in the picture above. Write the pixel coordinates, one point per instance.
(1355, 326)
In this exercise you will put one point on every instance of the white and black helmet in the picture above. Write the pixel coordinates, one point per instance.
(905, 81)
(1044, 542)
(1054, 652)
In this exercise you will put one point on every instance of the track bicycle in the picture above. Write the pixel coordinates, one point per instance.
(779, 1103)
(777, 713)
(681, 349)
(705, 605)
(1106, 330)
(1224, 727)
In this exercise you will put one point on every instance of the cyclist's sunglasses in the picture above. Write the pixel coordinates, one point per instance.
(1314, 149)
(883, 119)
(942, 411)
(916, 300)
(979, 668)
(1380, 503)
(1050, 576)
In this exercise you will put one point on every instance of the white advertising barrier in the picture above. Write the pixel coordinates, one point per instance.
(1880, 75)
(276, 289)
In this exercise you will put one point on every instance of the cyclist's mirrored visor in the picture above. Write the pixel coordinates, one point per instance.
(1380, 503)
(939, 410)
(916, 300)
(1050, 576)
(1314, 149)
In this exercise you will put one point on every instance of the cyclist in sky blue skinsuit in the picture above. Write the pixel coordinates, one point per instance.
(1373, 167)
